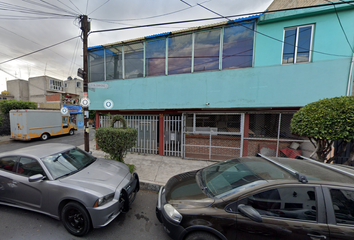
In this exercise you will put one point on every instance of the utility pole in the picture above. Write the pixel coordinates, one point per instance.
(85, 27)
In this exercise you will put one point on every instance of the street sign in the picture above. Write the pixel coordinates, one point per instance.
(80, 73)
(97, 85)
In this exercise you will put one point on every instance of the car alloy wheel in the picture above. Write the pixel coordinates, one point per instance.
(76, 219)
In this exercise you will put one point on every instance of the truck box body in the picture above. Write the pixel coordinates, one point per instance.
(27, 124)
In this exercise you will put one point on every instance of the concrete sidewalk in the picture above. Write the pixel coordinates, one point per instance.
(155, 170)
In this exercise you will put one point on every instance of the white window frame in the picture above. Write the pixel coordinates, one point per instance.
(296, 43)
(56, 85)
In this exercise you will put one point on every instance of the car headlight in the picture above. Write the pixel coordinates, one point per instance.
(172, 213)
(103, 200)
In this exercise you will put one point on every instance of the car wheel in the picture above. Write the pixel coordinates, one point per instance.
(44, 136)
(201, 236)
(75, 219)
(71, 132)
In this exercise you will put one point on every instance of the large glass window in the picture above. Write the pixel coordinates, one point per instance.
(134, 60)
(238, 46)
(180, 54)
(96, 65)
(114, 63)
(155, 57)
(206, 50)
(297, 44)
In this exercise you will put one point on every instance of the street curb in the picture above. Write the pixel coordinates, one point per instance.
(150, 186)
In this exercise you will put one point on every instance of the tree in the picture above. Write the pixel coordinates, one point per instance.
(7, 105)
(5, 92)
(325, 121)
(116, 141)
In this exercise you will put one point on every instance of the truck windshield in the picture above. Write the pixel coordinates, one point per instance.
(68, 162)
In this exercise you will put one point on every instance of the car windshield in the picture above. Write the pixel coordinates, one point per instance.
(68, 162)
(233, 174)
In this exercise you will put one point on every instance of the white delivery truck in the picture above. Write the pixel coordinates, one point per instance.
(27, 124)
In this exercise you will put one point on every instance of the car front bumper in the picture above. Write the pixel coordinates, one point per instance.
(173, 229)
(102, 216)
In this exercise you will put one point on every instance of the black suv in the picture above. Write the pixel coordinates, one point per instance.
(260, 198)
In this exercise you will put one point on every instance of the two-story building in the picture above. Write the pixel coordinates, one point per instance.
(227, 89)
(50, 93)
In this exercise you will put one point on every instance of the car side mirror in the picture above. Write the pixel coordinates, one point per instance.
(249, 212)
(36, 178)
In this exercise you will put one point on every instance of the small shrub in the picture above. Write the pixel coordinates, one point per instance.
(116, 141)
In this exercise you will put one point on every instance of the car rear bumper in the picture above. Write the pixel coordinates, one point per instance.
(102, 216)
(174, 230)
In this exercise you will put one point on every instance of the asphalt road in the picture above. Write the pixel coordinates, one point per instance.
(139, 223)
(77, 139)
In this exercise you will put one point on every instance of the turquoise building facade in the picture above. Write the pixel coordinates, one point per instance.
(243, 86)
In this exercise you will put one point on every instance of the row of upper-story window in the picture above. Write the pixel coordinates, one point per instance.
(228, 47)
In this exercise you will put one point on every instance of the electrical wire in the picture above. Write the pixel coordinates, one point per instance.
(188, 21)
(99, 7)
(25, 10)
(32, 42)
(75, 11)
(87, 3)
(340, 23)
(39, 50)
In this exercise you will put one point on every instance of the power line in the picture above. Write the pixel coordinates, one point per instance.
(25, 10)
(99, 7)
(78, 12)
(48, 6)
(206, 19)
(39, 50)
(340, 23)
(32, 42)
(75, 6)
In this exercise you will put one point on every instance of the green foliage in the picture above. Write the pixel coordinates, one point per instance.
(118, 118)
(7, 105)
(330, 118)
(92, 114)
(116, 141)
(324, 121)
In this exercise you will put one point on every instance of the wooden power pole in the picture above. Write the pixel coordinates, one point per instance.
(85, 27)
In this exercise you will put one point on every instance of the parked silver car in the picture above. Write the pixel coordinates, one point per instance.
(67, 183)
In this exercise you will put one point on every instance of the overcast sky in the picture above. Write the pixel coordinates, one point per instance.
(27, 26)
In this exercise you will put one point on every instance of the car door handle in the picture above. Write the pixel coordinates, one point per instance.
(316, 237)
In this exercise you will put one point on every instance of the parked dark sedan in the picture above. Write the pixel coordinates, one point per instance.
(67, 183)
(260, 198)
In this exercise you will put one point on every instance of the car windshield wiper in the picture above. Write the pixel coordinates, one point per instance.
(202, 184)
(68, 174)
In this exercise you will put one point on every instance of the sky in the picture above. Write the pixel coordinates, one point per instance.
(42, 37)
